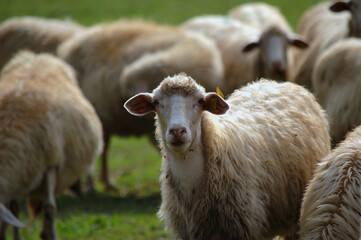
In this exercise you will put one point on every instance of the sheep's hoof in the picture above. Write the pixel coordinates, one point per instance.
(108, 185)
(48, 235)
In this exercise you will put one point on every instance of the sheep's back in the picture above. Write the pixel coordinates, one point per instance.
(336, 82)
(99, 56)
(33, 33)
(231, 36)
(332, 205)
(45, 122)
(268, 142)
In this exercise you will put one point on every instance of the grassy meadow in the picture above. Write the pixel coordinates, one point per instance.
(134, 162)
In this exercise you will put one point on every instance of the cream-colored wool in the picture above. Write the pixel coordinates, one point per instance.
(260, 15)
(254, 165)
(33, 33)
(121, 58)
(337, 84)
(45, 122)
(233, 36)
(321, 28)
(230, 36)
(331, 208)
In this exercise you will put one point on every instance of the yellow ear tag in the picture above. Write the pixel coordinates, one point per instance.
(219, 92)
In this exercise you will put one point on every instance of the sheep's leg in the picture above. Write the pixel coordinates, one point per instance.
(104, 176)
(3, 226)
(89, 183)
(48, 232)
(14, 208)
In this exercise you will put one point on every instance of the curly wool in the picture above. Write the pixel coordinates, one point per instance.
(258, 159)
(336, 82)
(45, 122)
(332, 205)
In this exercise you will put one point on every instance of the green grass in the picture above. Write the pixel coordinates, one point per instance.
(134, 163)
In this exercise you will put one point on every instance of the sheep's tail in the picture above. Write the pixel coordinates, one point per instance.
(35, 207)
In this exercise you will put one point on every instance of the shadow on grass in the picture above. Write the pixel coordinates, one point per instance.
(107, 203)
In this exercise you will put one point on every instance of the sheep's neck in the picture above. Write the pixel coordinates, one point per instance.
(187, 168)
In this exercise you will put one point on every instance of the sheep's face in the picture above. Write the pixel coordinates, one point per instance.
(273, 46)
(354, 6)
(179, 111)
(179, 118)
(273, 50)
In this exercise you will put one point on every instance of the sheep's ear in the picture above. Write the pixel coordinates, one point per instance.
(215, 104)
(298, 42)
(8, 217)
(340, 6)
(250, 46)
(140, 104)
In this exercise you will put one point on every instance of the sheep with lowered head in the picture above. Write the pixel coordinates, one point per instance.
(236, 41)
(33, 33)
(331, 208)
(234, 169)
(116, 60)
(336, 83)
(50, 134)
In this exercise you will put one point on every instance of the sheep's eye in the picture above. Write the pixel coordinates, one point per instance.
(155, 102)
(201, 101)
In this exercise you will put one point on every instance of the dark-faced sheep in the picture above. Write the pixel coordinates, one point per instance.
(50, 134)
(234, 169)
(33, 33)
(331, 208)
(124, 57)
(237, 41)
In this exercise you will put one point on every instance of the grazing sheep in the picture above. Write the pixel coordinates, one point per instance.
(135, 55)
(273, 59)
(337, 83)
(49, 133)
(260, 15)
(331, 208)
(240, 175)
(33, 33)
(322, 28)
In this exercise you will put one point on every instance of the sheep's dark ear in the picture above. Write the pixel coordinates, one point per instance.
(215, 104)
(250, 46)
(340, 6)
(140, 104)
(8, 217)
(298, 42)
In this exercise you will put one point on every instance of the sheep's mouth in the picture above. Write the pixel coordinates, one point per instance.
(177, 143)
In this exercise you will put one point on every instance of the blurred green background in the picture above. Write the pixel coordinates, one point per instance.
(134, 162)
(90, 12)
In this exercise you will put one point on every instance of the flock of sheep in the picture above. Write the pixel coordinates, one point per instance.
(255, 165)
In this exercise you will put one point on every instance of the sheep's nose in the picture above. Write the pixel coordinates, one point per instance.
(277, 65)
(177, 132)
